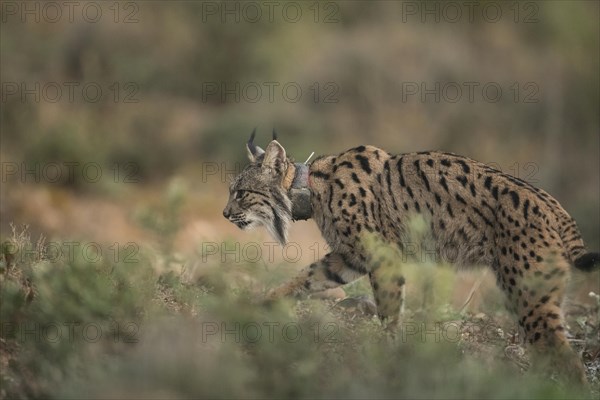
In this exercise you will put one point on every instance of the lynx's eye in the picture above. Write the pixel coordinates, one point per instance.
(237, 194)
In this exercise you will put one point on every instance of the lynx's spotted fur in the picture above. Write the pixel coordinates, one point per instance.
(489, 217)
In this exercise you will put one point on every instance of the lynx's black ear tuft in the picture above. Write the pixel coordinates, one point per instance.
(274, 134)
(254, 152)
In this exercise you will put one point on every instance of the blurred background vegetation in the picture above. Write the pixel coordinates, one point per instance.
(179, 98)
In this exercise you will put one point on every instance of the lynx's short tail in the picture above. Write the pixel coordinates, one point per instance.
(588, 262)
(581, 259)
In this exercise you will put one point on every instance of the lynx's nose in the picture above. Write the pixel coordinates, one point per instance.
(226, 213)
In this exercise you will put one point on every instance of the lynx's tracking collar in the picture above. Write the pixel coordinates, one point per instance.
(299, 193)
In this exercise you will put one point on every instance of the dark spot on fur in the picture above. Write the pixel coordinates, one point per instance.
(495, 192)
(515, 198)
(444, 184)
(464, 165)
(319, 174)
(488, 183)
(364, 163)
(526, 208)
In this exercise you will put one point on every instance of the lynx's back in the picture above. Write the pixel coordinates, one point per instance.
(470, 206)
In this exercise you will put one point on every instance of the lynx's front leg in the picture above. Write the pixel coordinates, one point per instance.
(329, 272)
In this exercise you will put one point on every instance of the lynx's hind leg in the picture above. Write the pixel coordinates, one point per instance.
(535, 278)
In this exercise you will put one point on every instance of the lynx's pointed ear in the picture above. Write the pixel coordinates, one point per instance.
(254, 152)
(275, 158)
(253, 157)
